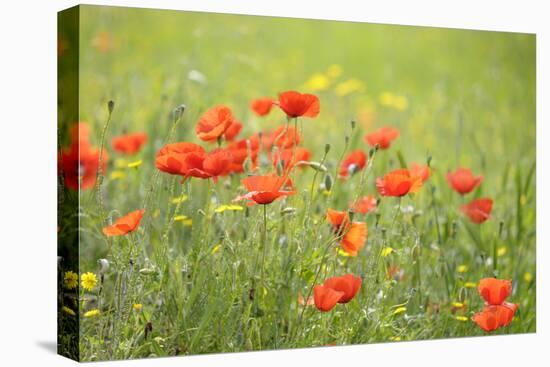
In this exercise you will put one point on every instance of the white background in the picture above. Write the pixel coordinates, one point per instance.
(28, 196)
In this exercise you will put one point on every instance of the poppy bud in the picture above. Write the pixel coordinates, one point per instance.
(327, 148)
(111, 106)
(288, 210)
(328, 182)
(315, 165)
(103, 265)
(429, 161)
(177, 113)
(147, 271)
(352, 122)
(371, 152)
(347, 139)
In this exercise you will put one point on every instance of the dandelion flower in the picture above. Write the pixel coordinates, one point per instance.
(88, 281)
(71, 279)
(138, 307)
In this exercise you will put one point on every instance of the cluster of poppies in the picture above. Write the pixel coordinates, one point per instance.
(230, 155)
(463, 181)
(497, 312)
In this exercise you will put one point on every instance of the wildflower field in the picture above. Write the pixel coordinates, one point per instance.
(251, 183)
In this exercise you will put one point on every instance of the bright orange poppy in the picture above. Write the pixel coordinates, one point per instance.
(493, 317)
(398, 183)
(364, 205)
(382, 137)
(353, 163)
(326, 298)
(353, 235)
(233, 130)
(265, 189)
(80, 161)
(171, 158)
(478, 210)
(129, 143)
(261, 106)
(421, 171)
(218, 163)
(463, 181)
(125, 224)
(349, 284)
(296, 104)
(214, 122)
(494, 291)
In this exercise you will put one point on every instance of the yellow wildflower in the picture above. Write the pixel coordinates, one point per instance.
(135, 164)
(349, 86)
(462, 268)
(222, 208)
(216, 249)
(88, 281)
(115, 175)
(470, 285)
(138, 307)
(399, 310)
(386, 251)
(120, 163)
(458, 304)
(317, 82)
(461, 318)
(91, 313)
(71, 279)
(528, 277)
(184, 219)
(342, 252)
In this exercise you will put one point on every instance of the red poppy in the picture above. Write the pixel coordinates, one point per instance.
(353, 234)
(200, 165)
(494, 291)
(80, 161)
(233, 130)
(383, 137)
(398, 183)
(261, 106)
(478, 210)
(463, 181)
(349, 284)
(296, 104)
(326, 298)
(125, 224)
(171, 158)
(364, 205)
(495, 316)
(214, 122)
(353, 163)
(291, 157)
(421, 171)
(218, 163)
(265, 189)
(129, 143)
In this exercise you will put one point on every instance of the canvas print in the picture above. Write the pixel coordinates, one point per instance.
(233, 183)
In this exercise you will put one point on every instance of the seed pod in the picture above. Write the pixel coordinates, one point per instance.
(327, 148)
(328, 182)
(111, 106)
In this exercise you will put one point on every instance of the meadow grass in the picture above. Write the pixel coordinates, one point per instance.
(218, 280)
